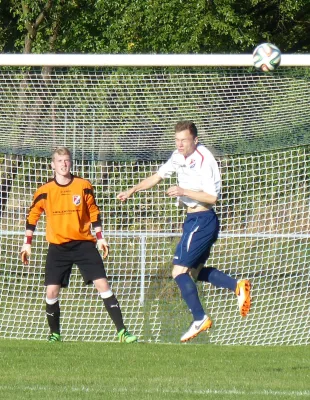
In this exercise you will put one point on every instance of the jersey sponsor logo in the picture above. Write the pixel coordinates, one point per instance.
(178, 164)
(76, 199)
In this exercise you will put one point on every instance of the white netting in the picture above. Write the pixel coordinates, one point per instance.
(119, 114)
(120, 128)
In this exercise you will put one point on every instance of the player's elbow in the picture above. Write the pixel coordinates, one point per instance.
(212, 199)
(156, 178)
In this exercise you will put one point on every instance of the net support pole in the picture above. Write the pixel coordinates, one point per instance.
(142, 268)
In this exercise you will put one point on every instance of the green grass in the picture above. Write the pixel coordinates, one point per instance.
(80, 370)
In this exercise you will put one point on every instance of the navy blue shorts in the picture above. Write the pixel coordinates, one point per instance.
(200, 231)
(61, 257)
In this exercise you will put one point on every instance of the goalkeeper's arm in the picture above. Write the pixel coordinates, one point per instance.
(26, 248)
(101, 242)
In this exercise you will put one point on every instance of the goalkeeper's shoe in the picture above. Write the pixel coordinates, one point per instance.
(243, 295)
(196, 327)
(54, 337)
(125, 337)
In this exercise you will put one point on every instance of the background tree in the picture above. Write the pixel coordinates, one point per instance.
(8, 27)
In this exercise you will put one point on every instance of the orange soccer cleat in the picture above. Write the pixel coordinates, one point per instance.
(243, 294)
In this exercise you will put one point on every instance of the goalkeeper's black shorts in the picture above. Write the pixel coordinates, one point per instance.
(61, 258)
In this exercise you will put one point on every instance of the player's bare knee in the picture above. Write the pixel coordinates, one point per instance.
(52, 292)
(177, 270)
(102, 285)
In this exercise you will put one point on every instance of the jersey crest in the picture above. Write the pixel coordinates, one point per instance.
(192, 163)
(76, 199)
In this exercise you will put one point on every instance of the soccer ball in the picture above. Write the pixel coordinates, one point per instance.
(266, 57)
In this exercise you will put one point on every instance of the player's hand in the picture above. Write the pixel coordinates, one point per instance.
(175, 191)
(103, 245)
(25, 253)
(123, 196)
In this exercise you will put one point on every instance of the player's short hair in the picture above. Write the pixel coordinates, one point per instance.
(183, 125)
(61, 151)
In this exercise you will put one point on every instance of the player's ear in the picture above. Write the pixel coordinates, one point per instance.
(52, 165)
(196, 140)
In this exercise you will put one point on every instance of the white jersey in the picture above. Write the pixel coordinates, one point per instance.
(198, 172)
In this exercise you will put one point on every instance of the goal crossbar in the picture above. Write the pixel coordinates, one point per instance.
(145, 60)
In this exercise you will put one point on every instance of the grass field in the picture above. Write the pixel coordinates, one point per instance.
(80, 370)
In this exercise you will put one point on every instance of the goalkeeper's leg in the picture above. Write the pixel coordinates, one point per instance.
(92, 270)
(53, 312)
(113, 308)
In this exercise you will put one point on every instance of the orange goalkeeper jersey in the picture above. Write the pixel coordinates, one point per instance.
(70, 210)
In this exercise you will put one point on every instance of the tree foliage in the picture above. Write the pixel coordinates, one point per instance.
(153, 26)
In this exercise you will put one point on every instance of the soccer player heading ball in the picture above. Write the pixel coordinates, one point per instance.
(70, 207)
(199, 185)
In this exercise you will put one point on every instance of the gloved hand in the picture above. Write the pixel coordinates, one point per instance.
(25, 253)
(103, 245)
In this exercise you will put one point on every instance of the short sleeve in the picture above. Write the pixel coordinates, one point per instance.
(211, 178)
(167, 169)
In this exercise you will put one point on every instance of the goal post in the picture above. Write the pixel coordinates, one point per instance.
(117, 115)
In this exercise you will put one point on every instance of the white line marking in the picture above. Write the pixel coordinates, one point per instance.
(220, 392)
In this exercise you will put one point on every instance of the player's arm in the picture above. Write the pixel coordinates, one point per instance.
(145, 184)
(95, 220)
(101, 242)
(26, 247)
(35, 211)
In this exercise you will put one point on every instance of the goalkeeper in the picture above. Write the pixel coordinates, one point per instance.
(198, 189)
(70, 207)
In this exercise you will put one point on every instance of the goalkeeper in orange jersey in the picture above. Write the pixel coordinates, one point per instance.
(71, 210)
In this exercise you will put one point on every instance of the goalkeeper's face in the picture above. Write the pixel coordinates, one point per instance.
(61, 164)
(185, 142)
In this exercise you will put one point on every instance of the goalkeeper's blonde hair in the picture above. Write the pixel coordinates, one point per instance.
(61, 151)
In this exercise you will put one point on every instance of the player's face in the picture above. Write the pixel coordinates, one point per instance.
(61, 164)
(185, 142)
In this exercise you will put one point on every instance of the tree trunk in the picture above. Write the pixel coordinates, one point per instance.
(13, 161)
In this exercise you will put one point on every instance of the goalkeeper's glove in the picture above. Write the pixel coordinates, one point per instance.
(102, 244)
(25, 253)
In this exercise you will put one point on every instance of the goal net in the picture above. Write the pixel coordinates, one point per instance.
(118, 119)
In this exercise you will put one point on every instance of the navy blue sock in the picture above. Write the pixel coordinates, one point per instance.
(217, 278)
(190, 295)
